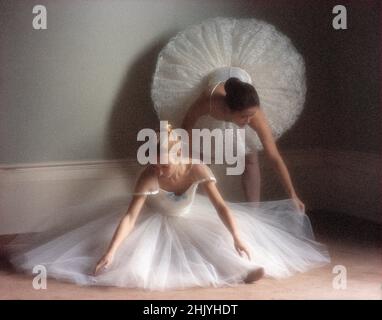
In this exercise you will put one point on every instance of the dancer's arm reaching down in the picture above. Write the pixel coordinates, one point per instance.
(223, 211)
(127, 223)
(260, 124)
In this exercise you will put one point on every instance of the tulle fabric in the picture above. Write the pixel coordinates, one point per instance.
(179, 242)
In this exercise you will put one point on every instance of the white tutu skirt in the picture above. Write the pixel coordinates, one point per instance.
(176, 252)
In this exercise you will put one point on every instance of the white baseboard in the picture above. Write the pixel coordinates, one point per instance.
(30, 195)
(340, 181)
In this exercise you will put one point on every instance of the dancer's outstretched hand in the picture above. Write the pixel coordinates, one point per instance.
(103, 263)
(241, 248)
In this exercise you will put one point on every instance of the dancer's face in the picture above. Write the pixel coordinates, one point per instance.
(165, 170)
(243, 117)
(168, 167)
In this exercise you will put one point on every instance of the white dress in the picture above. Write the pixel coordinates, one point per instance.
(179, 242)
(209, 52)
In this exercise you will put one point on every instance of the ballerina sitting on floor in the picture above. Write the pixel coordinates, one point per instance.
(171, 237)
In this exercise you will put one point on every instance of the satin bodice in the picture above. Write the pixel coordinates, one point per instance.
(171, 204)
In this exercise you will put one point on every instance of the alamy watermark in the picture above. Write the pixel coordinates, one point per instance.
(340, 280)
(228, 147)
(40, 280)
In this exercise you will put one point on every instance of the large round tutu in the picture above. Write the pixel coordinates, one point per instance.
(276, 69)
(178, 242)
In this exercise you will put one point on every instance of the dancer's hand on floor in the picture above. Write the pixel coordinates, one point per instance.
(241, 248)
(103, 263)
(299, 204)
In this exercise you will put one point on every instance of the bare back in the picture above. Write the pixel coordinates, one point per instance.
(217, 105)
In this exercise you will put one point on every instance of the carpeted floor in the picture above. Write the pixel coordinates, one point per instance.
(353, 243)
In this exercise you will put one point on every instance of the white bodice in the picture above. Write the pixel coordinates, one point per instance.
(171, 204)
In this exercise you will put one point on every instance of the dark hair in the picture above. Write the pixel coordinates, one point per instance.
(240, 95)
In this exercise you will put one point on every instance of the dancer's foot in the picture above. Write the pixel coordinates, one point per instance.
(254, 275)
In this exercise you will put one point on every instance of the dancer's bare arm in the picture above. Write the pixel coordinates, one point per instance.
(198, 108)
(195, 111)
(225, 215)
(127, 223)
(260, 124)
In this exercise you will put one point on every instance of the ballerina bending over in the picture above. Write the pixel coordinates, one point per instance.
(237, 101)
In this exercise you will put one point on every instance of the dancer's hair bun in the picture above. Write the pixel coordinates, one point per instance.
(232, 85)
(240, 95)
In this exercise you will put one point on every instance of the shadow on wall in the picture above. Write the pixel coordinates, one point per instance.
(133, 108)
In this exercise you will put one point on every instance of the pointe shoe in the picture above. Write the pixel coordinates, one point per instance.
(254, 275)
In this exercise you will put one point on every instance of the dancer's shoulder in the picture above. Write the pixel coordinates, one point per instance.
(201, 172)
(147, 181)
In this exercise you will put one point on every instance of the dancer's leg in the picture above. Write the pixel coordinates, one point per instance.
(251, 177)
